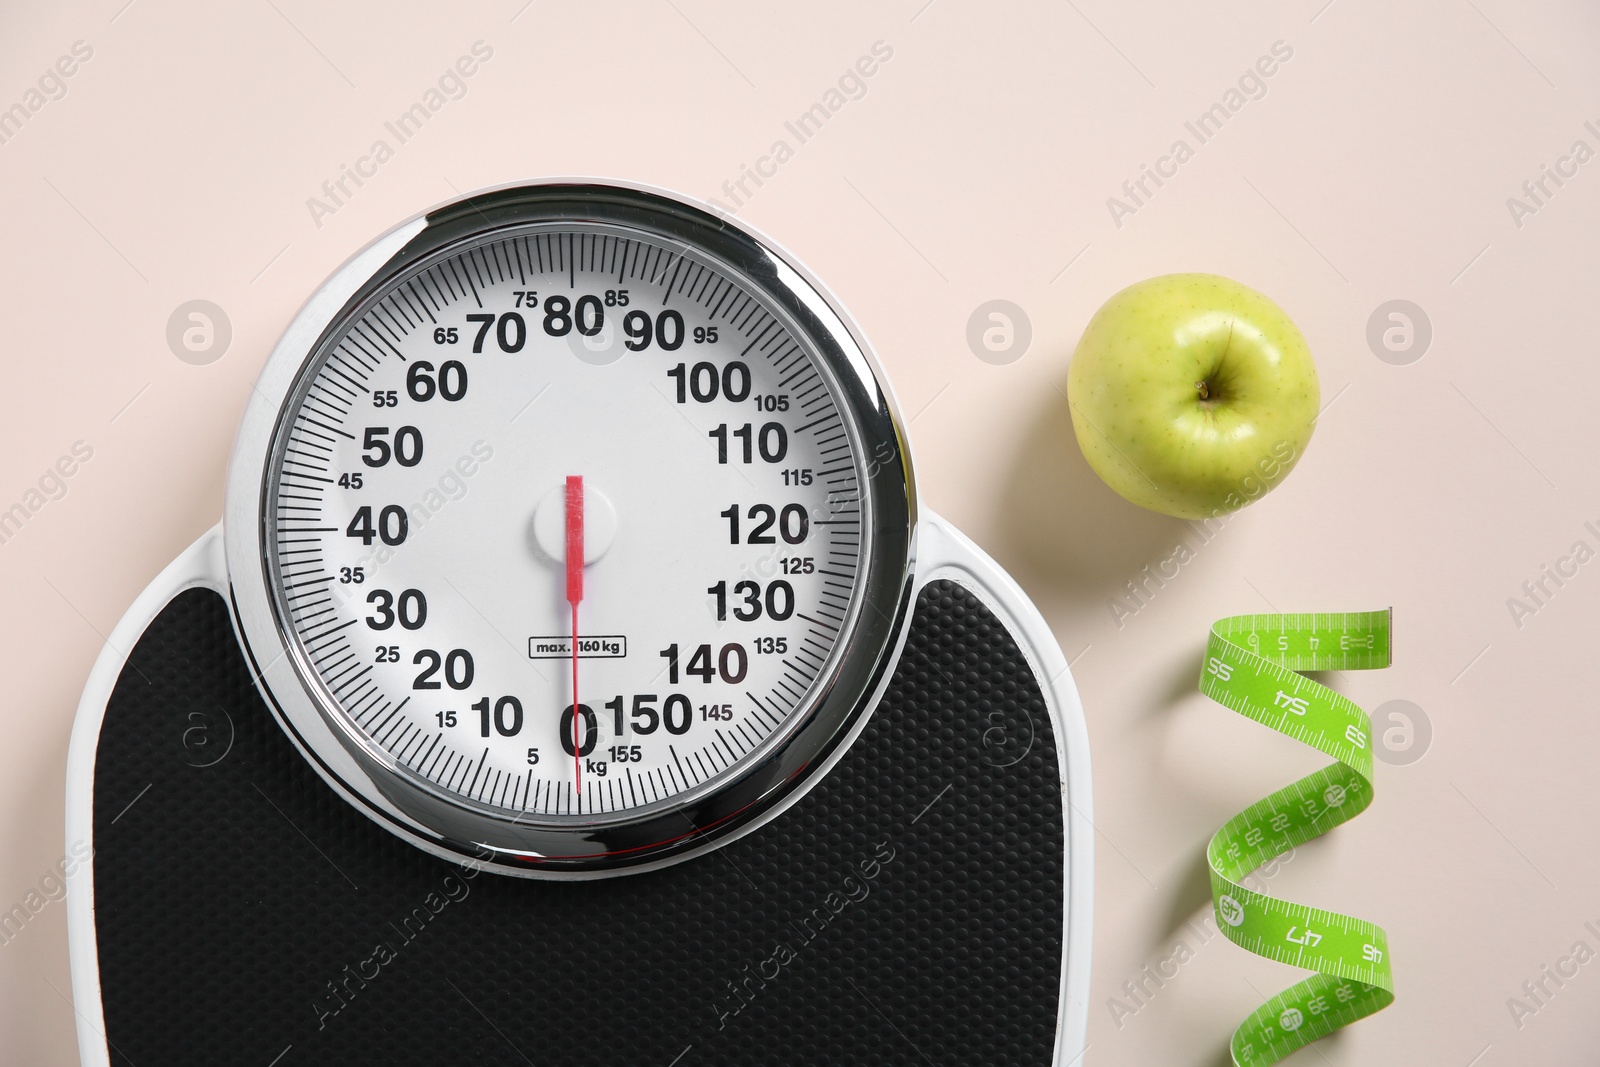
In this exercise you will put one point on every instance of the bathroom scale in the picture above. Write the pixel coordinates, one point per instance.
(575, 677)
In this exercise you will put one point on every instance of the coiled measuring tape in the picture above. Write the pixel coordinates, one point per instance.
(1252, 666)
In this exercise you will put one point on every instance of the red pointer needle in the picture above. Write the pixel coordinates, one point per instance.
(574, 595)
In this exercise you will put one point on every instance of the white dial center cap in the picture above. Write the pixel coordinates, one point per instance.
(550, 523)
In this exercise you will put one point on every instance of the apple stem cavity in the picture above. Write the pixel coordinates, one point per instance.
(1205, 387)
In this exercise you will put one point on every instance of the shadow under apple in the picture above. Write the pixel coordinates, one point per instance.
(1070, 528)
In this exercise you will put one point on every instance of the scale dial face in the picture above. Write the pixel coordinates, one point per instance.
(560, 374)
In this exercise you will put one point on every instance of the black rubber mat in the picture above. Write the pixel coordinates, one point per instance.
(907, 911)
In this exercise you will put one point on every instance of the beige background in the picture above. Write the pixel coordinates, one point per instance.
(977, 166)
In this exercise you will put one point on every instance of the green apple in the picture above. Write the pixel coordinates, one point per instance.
(1192, 395)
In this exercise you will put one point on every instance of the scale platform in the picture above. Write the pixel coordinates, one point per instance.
(928, 901)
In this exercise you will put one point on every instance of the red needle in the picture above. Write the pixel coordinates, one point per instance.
(574, 595)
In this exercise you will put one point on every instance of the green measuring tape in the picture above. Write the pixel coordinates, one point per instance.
(1252, 664)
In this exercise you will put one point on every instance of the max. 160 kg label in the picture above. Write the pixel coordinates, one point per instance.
(588, 647)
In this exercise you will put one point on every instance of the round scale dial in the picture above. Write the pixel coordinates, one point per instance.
(422, 521)
(567, 522)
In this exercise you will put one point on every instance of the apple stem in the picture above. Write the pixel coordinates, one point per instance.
(1205, 392)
